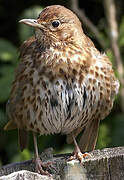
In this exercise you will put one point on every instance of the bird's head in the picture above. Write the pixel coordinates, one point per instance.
(56, 24)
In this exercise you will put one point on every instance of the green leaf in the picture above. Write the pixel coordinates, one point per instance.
(3, 119)
(118, 130)
(22, 156)
(110, 55)
(6, 77)
(8, 52)
(103, 138)
(25, 155)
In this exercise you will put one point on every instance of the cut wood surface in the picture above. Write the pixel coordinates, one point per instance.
(105, 164)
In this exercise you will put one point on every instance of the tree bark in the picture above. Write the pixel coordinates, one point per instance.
(106, 164)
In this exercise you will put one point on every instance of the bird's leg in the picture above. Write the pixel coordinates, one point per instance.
(39, 164)
(77, 154)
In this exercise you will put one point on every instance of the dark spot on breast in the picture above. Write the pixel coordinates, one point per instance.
(38, 82)
(32, 100)
(25, 106)
(64, 82)
(31, 72)
(101, 88)
(28, 98)
(41, 113)
(91, 71)
(42, 71)
(107, 78)
(39, 100)
(38, 130)
(108, 91)
(76, 103)
(47, 99)
(49, 73)
(49, 92)
(44, 84)
(101, 75)
(61, 87)
(108, 84)
(75, 86)
(36, 107)
(69, 106)
(93, 88)
(24, 88)
(101, 95)
(89, 87)
(74, 71)
(28, 115)
(68, 87)
(61, 71)
(53, 102)
(96, 67)
(90, 80)
(20, 116)
(86, 111)
(35, 122)
(81, 79)
(46, 105)
(68, 60)
(38, 91)
(84, 97)
(108, 101)
(32, 126)
(73, 80)
(57, 83)
(96, 74)
(94, 81)
(91, 96)
(52, 78)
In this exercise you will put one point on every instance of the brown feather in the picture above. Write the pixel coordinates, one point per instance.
(88, 139)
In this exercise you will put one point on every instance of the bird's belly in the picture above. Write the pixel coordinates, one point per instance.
(65, 108)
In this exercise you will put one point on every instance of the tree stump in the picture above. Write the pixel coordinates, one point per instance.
(106, 164)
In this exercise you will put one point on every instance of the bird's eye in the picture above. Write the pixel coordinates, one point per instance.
(55, 23)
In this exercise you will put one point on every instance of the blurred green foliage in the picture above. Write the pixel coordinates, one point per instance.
(8, 58)
(30, 13)
(111, 130)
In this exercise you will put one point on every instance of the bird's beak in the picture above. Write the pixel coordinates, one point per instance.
(31, 22)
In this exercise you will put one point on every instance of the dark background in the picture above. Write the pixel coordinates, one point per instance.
(12, 34)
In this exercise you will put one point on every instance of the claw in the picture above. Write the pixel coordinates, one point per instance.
(80, 156)
(40, 167)
(39, 164)
(77, 153)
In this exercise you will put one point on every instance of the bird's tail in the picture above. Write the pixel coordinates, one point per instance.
(89, 137)
(10, 125)
(22, 134)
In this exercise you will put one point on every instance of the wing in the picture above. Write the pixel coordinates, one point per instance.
(15, 96)
(106, 87)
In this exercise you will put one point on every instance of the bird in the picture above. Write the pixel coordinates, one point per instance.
(62, 84)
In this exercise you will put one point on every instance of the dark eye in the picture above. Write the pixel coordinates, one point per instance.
(55, 23)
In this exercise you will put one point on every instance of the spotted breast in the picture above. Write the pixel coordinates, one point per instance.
(60, 97)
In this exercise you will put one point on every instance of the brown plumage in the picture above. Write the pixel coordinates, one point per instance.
(63, 84)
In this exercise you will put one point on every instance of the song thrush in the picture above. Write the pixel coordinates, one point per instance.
(63, 84)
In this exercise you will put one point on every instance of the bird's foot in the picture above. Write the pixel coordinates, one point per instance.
(41, 166)
(80, 156)
(77, 154)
